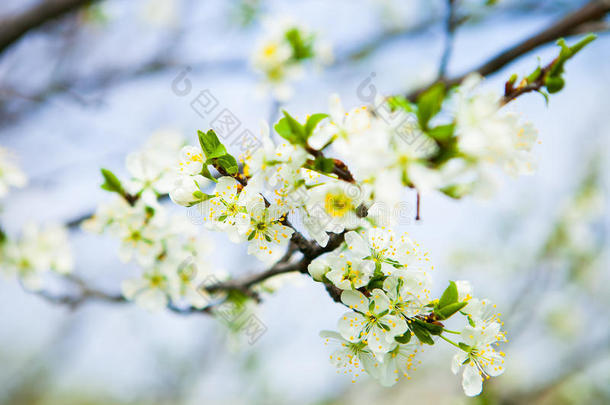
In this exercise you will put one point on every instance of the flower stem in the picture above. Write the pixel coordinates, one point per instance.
(450, 341)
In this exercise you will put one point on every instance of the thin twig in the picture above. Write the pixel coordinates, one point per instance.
(566, 26)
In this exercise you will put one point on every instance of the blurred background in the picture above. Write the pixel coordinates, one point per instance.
(83, 90)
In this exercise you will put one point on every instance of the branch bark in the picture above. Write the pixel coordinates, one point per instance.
(13, 28)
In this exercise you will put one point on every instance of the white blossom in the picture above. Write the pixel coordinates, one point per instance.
(10, 174)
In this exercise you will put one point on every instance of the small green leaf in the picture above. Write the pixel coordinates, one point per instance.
(456, 191)
(302, 47)
(404, 339)
(432, 328)
(399, 102)
(442, 133)
(324, 165)
(205, 172)
(421, 333)
(312, 122)
(448, 310)
(450, 295)
(568, 52)
(111, 182)
(227, 163)
(554, 84)
(429, 104)
(534, 75)
(211, 146)
(291, 130)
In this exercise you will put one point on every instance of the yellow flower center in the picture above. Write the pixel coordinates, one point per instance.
(337, 205)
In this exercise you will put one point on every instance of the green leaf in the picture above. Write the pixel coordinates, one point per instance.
(429, 104)
(554, 84)
(312, 122)
(291, 130)
(205, 172)
(448, 310)
(456, 191)
(399, 102)
(403, 339)
(450, 295)
(421, 333)
(227, 163)
(534, 75)
(430, 327)
(568, 52)
(301, 47)
(211, 146)
(111, 182)
(324, 165)
(442, 133)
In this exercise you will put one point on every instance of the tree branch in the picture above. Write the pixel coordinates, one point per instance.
(13, 28)
(568, 25)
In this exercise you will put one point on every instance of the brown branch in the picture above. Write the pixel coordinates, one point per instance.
(14, 27)
(566, 26)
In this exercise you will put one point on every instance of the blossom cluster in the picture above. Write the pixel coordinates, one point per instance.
(170, 250)
(39, 249)
(384, 282)
(453, 141)
(281, 55)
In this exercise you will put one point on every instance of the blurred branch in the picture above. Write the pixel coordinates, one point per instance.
(13, 28)
(570, 24)
(450, 27)
(85, 293)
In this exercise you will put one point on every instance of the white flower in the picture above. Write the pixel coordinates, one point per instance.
(320, 266)
(153, 168)
(382, 247)
(342, 124)
(140, 234)
(228, 209)
(39, 249)
(371, 321)
(191, 160)
(273, 167)
(481, 312)
(397, 363)
(150, 291)
(10, 174)
(187, 190)
(353, 358)
(108, 214)
(464, 290)
(489, 134)
(480, 360)
(408, 292)
(348, 272)
(334, 204)
(267, 237)
(191, 274)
